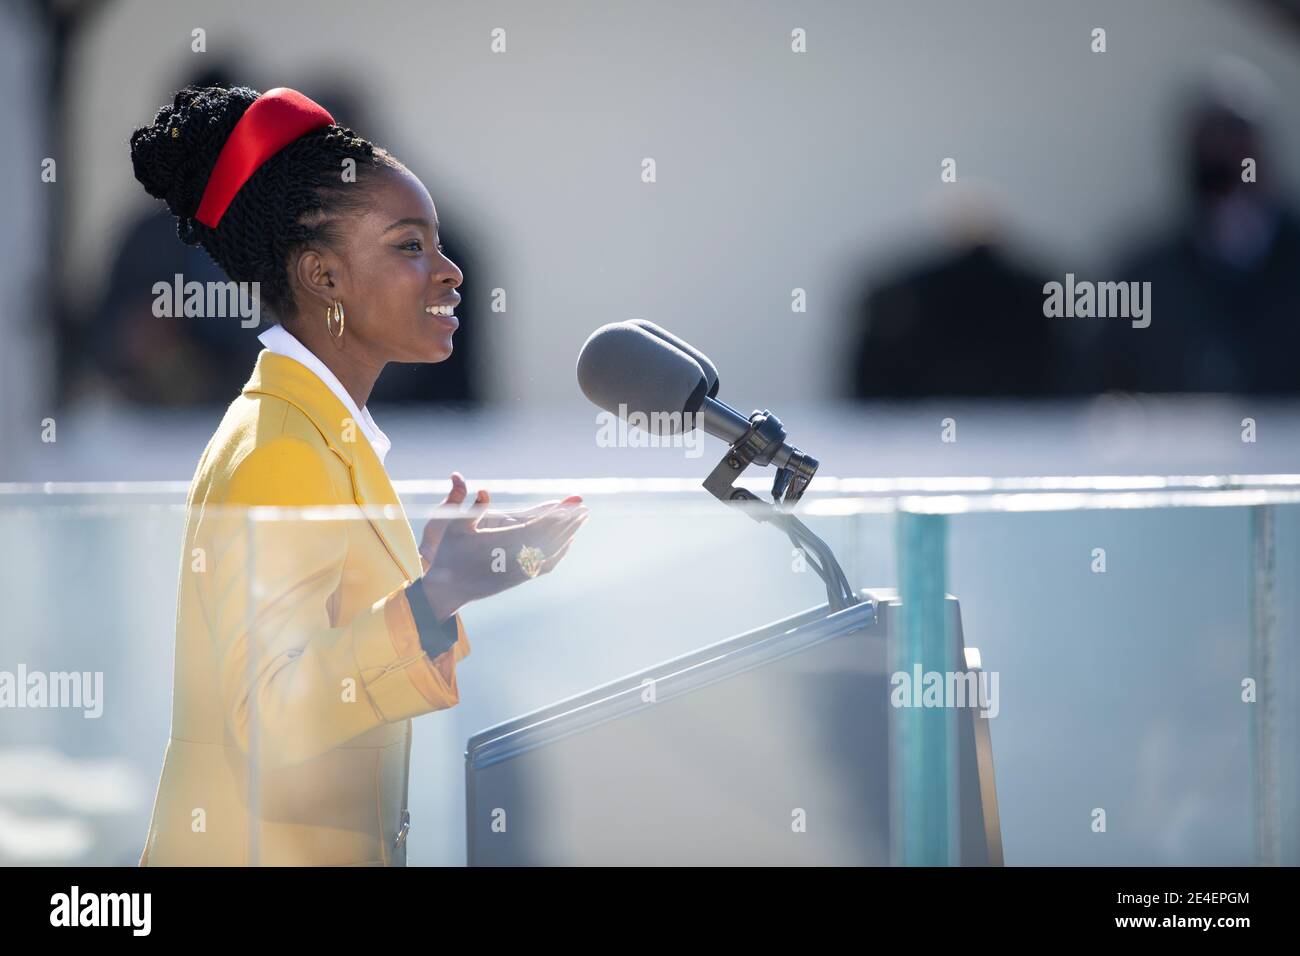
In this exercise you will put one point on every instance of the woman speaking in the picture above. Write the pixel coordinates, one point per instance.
(305, 645)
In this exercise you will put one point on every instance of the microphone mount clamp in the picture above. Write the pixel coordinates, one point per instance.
(757, 446)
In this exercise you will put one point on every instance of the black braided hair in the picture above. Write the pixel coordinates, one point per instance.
(291, 202)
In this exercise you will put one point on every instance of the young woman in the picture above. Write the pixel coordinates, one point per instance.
(304, 647)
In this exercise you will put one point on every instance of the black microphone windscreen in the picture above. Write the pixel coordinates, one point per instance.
(710, 371)
(623, 368)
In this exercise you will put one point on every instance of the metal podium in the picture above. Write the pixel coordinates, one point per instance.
(778, 746)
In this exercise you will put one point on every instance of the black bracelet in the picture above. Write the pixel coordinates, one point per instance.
(435, 637)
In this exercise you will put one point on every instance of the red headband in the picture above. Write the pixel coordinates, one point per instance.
(271, 122)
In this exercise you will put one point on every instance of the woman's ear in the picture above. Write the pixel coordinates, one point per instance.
(318, 276)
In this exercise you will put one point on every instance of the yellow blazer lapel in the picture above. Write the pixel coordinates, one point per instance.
(298, 385)
(372, 488)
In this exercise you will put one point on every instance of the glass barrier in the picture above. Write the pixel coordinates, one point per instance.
(678, 688)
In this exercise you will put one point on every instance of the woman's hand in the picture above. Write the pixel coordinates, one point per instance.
(504, 519)
(468, 558)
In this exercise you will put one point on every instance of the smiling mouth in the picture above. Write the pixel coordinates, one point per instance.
(445, 315)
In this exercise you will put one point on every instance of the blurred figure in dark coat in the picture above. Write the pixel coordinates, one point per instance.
(1225, 282)
(966, 320)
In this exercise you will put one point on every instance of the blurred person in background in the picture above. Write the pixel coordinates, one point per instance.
(304, 647)
(1225, 281)
(160, 360)
(965, 319)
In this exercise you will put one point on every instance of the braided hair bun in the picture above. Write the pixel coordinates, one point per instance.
(293, 201)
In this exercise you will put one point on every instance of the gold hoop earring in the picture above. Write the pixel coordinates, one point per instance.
(336, 307)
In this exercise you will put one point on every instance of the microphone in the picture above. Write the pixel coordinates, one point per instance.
(639, 368)
(627, 367)
(710, 373)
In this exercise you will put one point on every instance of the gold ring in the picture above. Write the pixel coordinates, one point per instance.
(530, 560)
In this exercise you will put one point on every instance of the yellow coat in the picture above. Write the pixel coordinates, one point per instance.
(298, 663)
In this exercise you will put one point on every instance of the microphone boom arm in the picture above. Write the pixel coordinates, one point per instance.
(764, 436)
